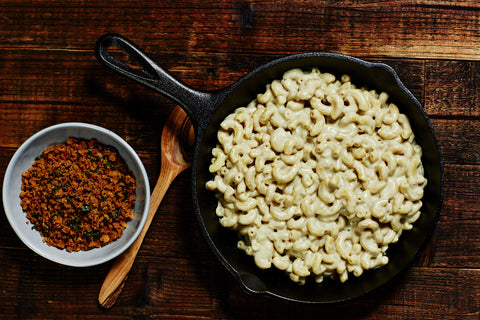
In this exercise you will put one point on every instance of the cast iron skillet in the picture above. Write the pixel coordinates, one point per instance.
(207, 109)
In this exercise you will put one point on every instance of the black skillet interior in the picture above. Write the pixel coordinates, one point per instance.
(274, 283)
(208, 109)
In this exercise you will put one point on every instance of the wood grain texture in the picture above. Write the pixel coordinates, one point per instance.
(415, 29)
(48, 75)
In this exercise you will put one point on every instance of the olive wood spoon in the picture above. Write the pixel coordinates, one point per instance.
(177, 140)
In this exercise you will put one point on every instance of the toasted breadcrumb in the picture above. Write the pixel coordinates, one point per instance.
(79, 195)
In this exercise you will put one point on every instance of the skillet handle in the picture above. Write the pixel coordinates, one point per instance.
(196, 104)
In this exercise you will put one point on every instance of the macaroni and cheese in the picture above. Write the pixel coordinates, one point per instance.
(318, 176)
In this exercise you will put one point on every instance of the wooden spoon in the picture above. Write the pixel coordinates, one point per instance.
(177, 139)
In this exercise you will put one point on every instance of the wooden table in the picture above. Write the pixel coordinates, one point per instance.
(49, 75)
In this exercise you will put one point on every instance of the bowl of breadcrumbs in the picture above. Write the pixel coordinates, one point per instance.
(76, 194)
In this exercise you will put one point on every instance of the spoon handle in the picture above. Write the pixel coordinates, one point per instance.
(116, 277)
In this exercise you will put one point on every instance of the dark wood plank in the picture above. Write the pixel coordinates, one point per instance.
(459, 140)
(406, 299)
(278, 27)
(456, 238)
(59, 77)
(452, 88)
(445, 88)
(179, 287)
(172, 288)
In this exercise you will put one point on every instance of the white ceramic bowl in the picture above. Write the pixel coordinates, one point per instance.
(23, 159)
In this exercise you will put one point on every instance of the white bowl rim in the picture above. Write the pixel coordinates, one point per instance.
(76, 262)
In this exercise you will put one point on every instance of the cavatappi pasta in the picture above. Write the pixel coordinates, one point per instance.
(317, 176)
